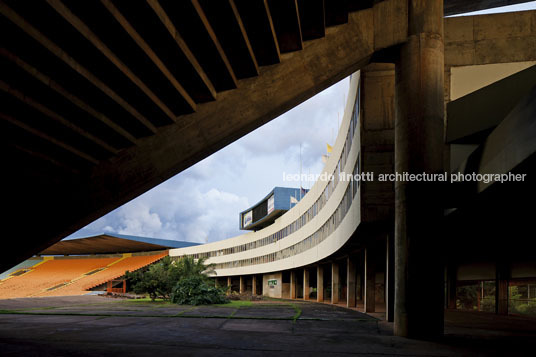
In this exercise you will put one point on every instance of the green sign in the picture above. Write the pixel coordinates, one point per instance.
(272, 282)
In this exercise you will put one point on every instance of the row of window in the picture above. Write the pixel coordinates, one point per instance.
(311, 241)
(313, 210)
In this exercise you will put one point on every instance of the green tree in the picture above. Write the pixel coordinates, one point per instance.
(190, 267)
(157, 281)
(185, 281)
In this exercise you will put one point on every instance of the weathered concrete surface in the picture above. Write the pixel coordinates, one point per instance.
(419, 126)
(495, 38)
(488, 39)
(322, 329)
(154, 159)
(377, 140)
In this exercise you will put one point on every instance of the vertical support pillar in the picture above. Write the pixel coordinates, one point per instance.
(451, 285)
(242, 284)
(254, 285)
(335, 283)
(390, 278)
(501, 288)
(350, 282)
(370, 282)
(319, 283)
(306, 284)
(293, 284)
(229, 285)
(419, 126)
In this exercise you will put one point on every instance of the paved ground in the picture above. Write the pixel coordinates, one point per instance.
(97, 326)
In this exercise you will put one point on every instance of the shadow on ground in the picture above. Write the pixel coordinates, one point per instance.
(97, 326)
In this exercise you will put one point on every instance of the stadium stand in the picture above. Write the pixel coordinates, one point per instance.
(20, 268)
(112, 271)
(72, 267)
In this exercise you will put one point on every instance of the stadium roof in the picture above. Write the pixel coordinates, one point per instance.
(111, 244)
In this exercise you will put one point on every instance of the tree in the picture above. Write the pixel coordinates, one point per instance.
(185, 281)
(157, 281)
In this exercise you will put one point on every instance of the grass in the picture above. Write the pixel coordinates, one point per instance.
(297, 314)
(145, 299)
(235, 303)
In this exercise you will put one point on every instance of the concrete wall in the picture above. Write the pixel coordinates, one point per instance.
(487, 41)
(274, 291)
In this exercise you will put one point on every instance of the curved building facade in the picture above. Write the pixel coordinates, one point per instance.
(313, 230)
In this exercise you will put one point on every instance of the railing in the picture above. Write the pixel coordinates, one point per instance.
(117, 286)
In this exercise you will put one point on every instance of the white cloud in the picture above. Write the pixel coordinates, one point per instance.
(203, 202)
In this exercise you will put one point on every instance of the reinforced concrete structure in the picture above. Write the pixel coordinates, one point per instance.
(105, 100)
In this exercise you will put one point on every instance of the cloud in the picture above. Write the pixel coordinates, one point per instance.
(177, 210)
(138, 219)
(203, 202)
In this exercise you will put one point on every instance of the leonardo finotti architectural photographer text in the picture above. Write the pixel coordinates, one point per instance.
(407, 177)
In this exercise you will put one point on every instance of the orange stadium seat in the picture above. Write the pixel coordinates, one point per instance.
(114, 271)
(61, 277)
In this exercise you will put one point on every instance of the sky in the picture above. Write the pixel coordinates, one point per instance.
(202, 204)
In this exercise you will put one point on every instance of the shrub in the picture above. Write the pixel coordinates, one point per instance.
(195, 290)
(157, 281)
(163, 278)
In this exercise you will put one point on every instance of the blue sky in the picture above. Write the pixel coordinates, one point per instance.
(202, 203)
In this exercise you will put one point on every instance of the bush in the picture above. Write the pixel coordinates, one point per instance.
(157, 281)
(184, 282)
(194, 290)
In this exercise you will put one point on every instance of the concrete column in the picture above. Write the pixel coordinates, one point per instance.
(350, 283)
(419, 125)
(451, 286)
(229, 285)
(501, 288)
(292, 284)
(370, 282)
(305, 284)
(334, 283)
(242, 284)
(319, 283)
(390, 278)
(254, 285)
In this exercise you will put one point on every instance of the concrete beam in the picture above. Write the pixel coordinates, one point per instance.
(501, 288)
(242, 284)
(390, 278)
(254, 285)
(451, 286)
(370, 281)
(419, 127)
(306, 286)
(494, 38)
(350, 282)
(319, 283)
(293, 284)
(453, 7)
(335, 283)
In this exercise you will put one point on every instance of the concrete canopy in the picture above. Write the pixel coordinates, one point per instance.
(103, 101)
(111, 244)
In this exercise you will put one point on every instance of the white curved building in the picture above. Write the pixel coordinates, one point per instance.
(311, 232)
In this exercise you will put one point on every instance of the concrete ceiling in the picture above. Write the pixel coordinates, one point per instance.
(103, 100)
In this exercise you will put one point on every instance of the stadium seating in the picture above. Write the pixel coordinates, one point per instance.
(72, 275)
(113, 271)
